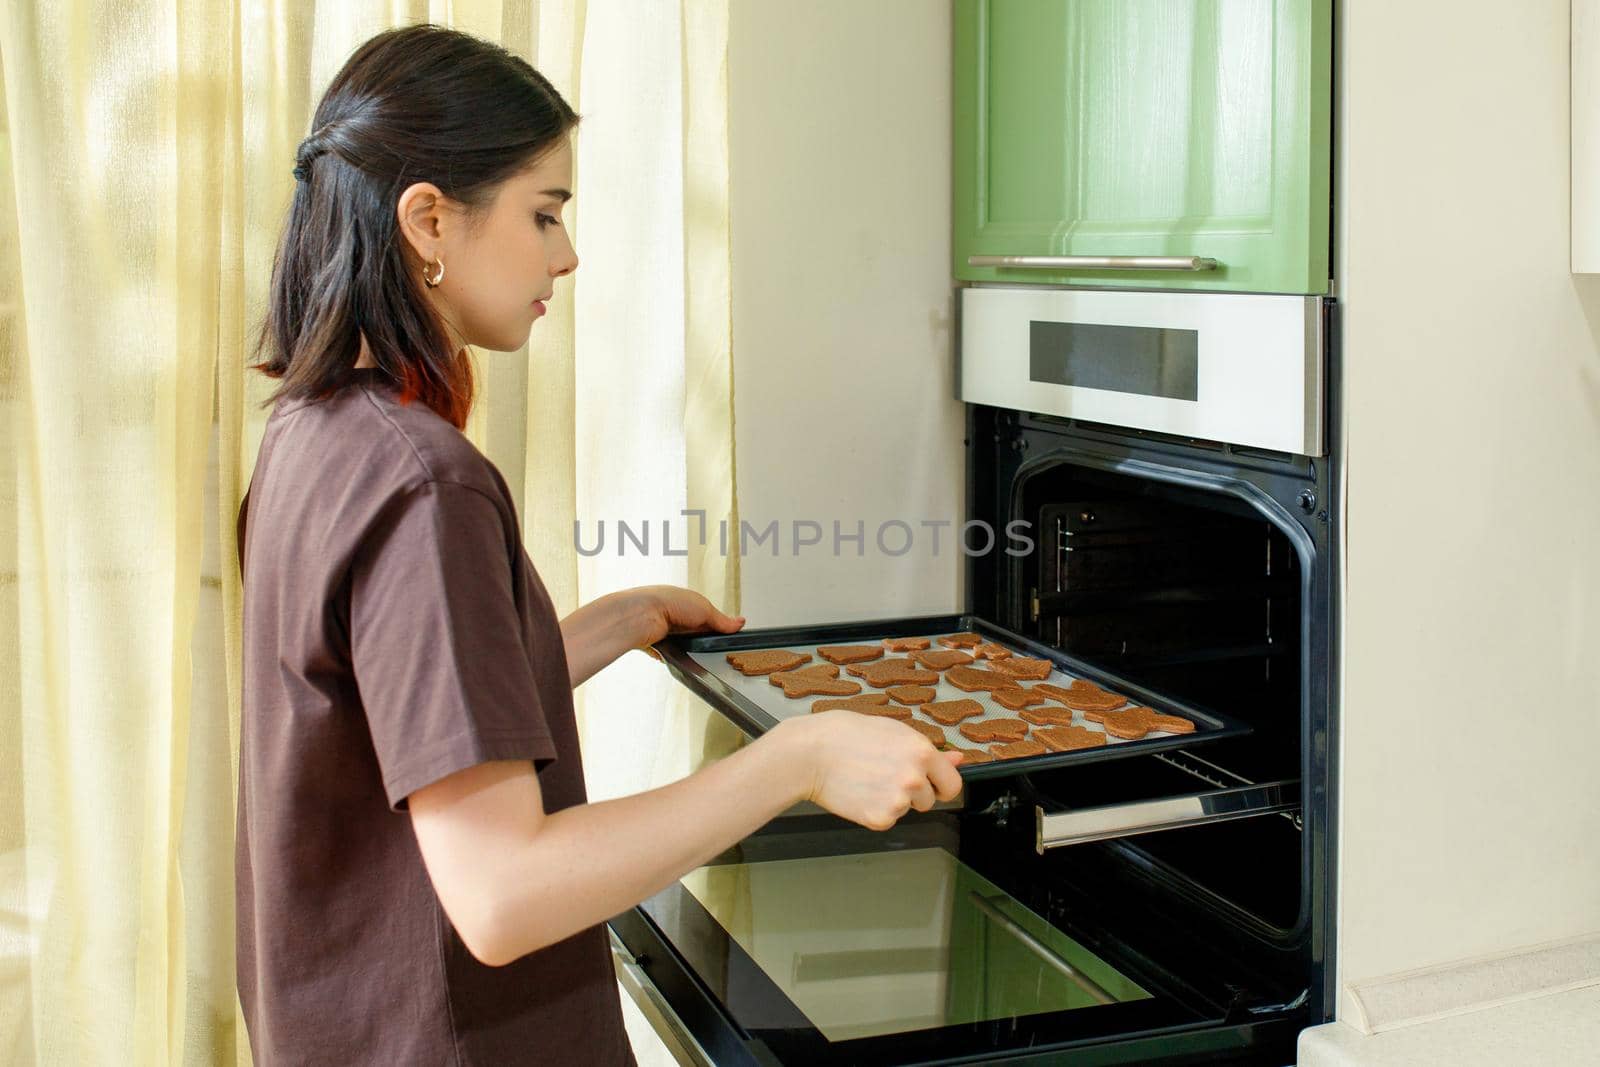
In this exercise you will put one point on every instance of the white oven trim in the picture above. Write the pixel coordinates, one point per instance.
(1260, 362)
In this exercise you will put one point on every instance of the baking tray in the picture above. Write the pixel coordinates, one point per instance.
(756, 705)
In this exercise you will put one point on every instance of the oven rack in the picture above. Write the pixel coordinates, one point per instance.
(1236, 797)
(1084, 601)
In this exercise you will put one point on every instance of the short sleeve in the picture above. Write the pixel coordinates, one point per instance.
(437, 641)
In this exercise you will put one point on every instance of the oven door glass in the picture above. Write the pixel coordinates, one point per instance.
(945, 939)
(887, 942)
(816, 947)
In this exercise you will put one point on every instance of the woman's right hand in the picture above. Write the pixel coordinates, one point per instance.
(869, 769)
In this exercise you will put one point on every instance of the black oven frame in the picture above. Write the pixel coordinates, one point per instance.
(1297, 493)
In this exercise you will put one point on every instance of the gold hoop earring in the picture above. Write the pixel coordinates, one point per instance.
(432, 282)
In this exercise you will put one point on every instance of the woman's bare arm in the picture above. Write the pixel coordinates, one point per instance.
(599, 632)
(602, 630)
(513, 879)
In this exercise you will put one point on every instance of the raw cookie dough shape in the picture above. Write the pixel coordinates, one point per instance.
(865, 704)
(797, 684)
(941, 658)
(905, 644)
(961, 640)
(1017, 699)
(977, 679)
(994, 730)
(815, 670)
(1047, 715)
(766, 661)
(887, 672)
(850, 653)
(1084, 696)
(1068, 738)
(1133, 723)
(1018, 749)
(950, 712)
(1024, 667)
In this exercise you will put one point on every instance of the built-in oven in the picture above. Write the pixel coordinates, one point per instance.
(1167, 900)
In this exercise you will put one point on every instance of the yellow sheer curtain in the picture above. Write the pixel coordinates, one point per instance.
(144, 170)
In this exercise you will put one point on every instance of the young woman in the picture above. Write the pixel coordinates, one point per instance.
(420, 880)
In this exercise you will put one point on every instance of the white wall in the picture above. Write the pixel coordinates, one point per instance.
(1471, 723)
(840, 184)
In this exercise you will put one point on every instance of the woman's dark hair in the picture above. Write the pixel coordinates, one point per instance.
(422, 103)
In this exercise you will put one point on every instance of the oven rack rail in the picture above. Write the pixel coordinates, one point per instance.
(1235, 797)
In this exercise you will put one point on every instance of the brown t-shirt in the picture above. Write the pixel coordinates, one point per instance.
(394, 632)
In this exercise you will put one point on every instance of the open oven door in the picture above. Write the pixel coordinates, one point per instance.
(815, 946)
(948, 939)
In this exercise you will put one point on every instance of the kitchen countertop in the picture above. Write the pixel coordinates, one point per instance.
(1556, 1028)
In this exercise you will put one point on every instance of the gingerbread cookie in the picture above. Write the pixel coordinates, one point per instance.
(1068, 738)
(961, 641)
(950, 712)
(1048, 715)
(1133, 723)
(1085, 696)
(1018, 749)
(939, 659)
(1024, 667)
(865, 704)
(815, 670)
(766, 661)
(905, 644)
(991, 651)
(994, 730)
(976, 679)
(796, 684)
(1017, 699)
(934, 735)
(850, 653)
(894, 672)
(912, 694)
(971, 755)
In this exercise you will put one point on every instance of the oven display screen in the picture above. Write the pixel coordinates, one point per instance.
(1145, 360)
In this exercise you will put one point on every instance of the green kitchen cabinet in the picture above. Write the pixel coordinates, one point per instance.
(1193, 130)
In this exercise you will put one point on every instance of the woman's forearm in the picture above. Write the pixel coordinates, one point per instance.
(589, 862)
(598, 633)
(513, 879)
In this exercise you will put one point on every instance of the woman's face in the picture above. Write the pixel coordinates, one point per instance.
(501, 266)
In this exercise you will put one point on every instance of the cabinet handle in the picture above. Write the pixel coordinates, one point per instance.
(1095, 262)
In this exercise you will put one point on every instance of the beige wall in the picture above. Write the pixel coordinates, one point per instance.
(840, 161)
(1471, 722)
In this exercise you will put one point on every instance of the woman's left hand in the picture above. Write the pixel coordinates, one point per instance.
(670, 609)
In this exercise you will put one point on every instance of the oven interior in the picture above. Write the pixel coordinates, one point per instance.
(1196, 595)
(1198, 588)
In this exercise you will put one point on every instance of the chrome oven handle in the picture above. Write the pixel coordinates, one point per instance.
(663, 1019)
(1179, 263)
(1053, 829)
